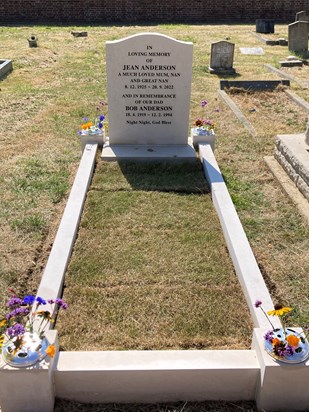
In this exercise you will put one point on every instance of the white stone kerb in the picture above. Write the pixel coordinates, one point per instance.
(245, 264)
(53, 276)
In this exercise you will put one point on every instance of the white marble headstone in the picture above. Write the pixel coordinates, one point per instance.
(148, 87)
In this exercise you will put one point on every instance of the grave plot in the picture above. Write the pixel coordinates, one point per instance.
(301, 73)
(5, 68)
(150, 269)
(269, 112)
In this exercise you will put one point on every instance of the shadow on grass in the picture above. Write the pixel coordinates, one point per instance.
(160, 176)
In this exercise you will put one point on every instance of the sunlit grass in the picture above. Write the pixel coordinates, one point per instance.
(53, 86)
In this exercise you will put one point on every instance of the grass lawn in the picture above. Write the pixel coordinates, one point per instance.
(150, 269)
(51, 88)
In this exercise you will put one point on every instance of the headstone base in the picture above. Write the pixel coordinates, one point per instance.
(222, 71)
(148, 152)
(291, 63)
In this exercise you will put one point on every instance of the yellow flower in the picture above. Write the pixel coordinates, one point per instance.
(45, 314)
(1, 340)
(279, 310)
(293, 340)
(50, 351)
(3, 323)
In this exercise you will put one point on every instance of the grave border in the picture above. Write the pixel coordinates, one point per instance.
(6, 67)
(303, 84)
(161, 376)
(239, 114)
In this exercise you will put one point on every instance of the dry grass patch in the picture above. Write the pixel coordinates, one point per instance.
(275, 108)
(150, 268)
(300, 73)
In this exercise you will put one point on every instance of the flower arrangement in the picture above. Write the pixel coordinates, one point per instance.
(284, 344)
(202, 125)
(17, 334)
(96, 126)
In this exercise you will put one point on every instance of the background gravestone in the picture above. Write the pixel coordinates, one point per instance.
(302, 16)
(298, 36)
(148, 86)
(265, 26)
(221, 57)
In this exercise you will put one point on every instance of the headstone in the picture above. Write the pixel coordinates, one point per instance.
(252, 50)
(265, 26)
(148, 86)
(298, 36)
(221, 58)
(302, 16)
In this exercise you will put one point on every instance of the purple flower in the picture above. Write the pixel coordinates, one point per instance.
(204, 103)
(16, 330)
(289, 351)
(41, 301)
(102, 117)
(257, 303)
(62, 304)
(281, 351)
(85, 119)
(14, 302)
(29, 300)
(100, 125)
(18, 312)
(269, 336)
(102, 102)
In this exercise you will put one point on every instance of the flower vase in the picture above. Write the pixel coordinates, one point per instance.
(202, 135)
(97, 137)
(31, 350)
(300, 352)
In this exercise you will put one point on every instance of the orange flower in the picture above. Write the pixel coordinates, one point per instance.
(293, 340)
(50, 351)
(275, 341)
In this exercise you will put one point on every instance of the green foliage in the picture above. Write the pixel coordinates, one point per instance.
(36, 178)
